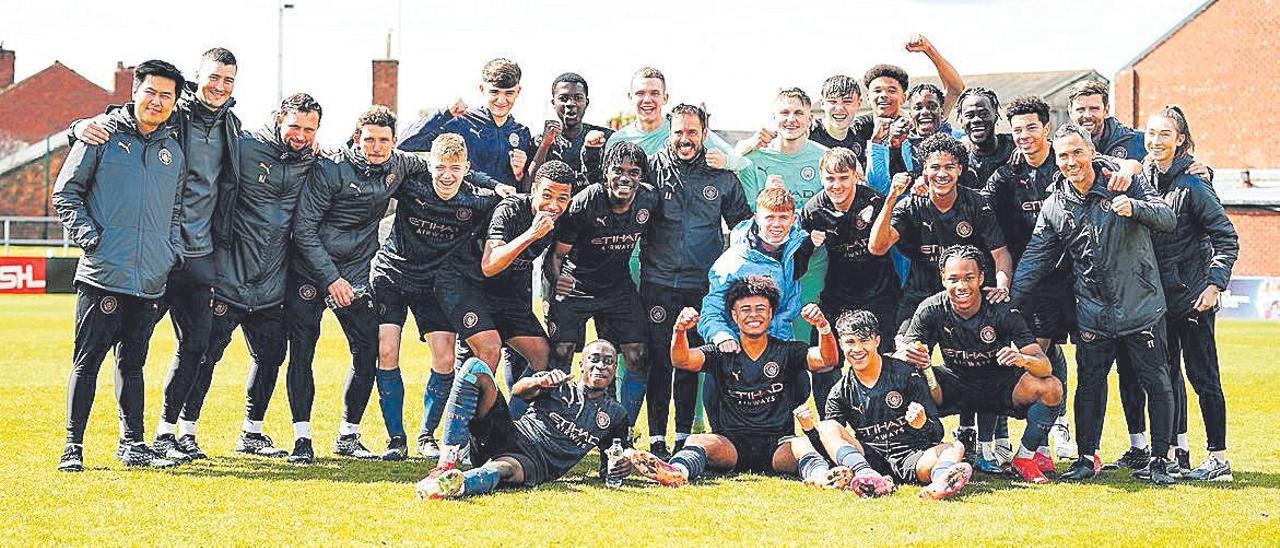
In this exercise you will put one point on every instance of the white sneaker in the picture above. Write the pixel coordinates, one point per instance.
(1003, 451)
(1064, 448)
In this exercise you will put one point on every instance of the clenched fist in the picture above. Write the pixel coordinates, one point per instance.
(915, 415)
(688, 319)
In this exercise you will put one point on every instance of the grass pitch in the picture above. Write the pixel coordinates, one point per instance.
(230, 499)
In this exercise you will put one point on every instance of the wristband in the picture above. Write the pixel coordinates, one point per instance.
(930, 378)
(825, 330)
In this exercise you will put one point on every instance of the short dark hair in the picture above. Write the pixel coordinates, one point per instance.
(571, 78)
(886, 71)
(838, 159)
(557, 172)
(979, 91)
(1179, 118)
(795, 93)
(1028, 104)
(961, 252)
(301, 102)
(162, 69)
(859, 323)
(501, 73)
(220, 55)
(1089, 87)
(626, 150)
(754, 285)
(840, 86)
(923, 87)
(377, 115)
(691, 110)
(943, 143)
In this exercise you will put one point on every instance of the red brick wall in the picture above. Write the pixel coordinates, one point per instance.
(385, 77)
(1223, 68)
(1259, 231)
(23, 191)
(46, 102)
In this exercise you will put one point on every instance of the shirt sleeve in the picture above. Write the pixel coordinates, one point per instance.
(921, 327)
(985, 218)
(501, 224)
(1017, 328)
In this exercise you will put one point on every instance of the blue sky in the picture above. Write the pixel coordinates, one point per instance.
(733, 55)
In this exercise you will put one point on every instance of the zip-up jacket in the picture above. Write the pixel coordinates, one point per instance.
(1120, 141)
(1117, 280)
(335, 230)
(252, 265)
(1203, 247)
(489, 145)
(121, 202)
(685, 234)
(744, 258)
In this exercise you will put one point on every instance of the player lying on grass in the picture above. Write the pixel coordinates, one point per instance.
(757, 390)
(991, 361)
(564, 421)
(895, 427)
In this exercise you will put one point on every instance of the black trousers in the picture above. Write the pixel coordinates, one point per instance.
(188, 298)
(1192, 343)
(110, 321)
(662, 305)
(1145, 352)
(359, 322)
(265, 333)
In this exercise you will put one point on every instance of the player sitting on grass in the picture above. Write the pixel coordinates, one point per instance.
(756, 390)
(992, 363)
(564, 421)
(895, 426)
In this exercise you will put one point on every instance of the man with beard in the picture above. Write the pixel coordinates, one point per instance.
(685, 239)
(497, 144)
(651, 130)
(565, 421)
(841, 101)
(992, 363)
(250, 290)
(885, 86)
(211, 144)
(335, 236)
(569, 100)
(755, 427)
(1120, 305)
(594, 244)
(121, 202)
(1089, 103)
(437, 221)
(978, 112)
(925, 226)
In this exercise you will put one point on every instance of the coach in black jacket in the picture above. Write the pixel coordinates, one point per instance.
(1120, 306)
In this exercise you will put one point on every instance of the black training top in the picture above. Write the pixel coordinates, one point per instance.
(924, 233)
(603, 241)
(854, 274)
(755, 395)
(877, 414)
(968, 346)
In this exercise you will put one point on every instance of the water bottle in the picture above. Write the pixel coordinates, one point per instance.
(612, 479)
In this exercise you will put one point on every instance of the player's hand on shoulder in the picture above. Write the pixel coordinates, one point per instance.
(916, 416)
(504, 190)
(688, 319)
(996, 294)
(93, 131)
(1119, 181)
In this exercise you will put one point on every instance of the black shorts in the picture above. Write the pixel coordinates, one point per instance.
(619, 318)
(494, 436)
(755, 451)
(1053, 309)
(470, 311)
(901, 467)
(394, 306)
(984, 393)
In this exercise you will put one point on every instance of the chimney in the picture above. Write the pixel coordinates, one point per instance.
(123, 92)
(6, 67)
(385, 82)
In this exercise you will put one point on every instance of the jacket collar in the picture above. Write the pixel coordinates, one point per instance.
(270, 134)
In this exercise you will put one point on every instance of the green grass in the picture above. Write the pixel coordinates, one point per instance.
(236, 500)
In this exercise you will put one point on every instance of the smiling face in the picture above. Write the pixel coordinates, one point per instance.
(447, 174)
(1089, 112)
(621, 180)
(752, 315)
(551, 197)
(839, 111)
(648, 95)
(1162, 139)
(775, 224)
(792, 118)
(686, 136)
(1074, 157)
(859, 349)
(216, 81)
(886, 96)
(978, 116)
(153, 100)
(599, 366)
(499, 100)
(1029, 133)
(298, 129)
(963, 279)
(926, 112)
(569, 99)
(942, 172)
(839, 186)
(376, 142)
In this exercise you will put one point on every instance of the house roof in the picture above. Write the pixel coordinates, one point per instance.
(1169, 34)
(1013, 84)
(51, 144)
(46, 101)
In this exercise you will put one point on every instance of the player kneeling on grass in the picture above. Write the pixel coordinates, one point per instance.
(756, 389)
(991, 361)
(895, 426)
(564, 421)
